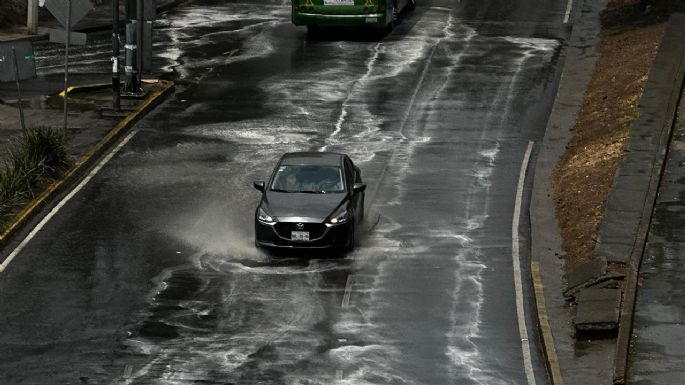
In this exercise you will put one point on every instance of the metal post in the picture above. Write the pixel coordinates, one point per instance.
(66, 63)
(131, 86)
(16, 77)
(129, 67)
(32, 16)
(115, 56)
(139, 44)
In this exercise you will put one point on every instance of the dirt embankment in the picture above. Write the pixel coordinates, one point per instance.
(12, 11)
(629, 40)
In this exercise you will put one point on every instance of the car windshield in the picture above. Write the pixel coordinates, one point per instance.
(308, 179)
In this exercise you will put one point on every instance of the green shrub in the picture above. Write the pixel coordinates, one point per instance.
(33, 160)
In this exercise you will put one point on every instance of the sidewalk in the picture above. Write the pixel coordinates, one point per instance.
(629, 207)
(90, 115)
(41, 110)
(93, 127)
(659, 351)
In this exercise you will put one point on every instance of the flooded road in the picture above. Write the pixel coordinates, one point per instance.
(149, 275)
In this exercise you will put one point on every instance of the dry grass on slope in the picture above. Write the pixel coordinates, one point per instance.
(583, 178)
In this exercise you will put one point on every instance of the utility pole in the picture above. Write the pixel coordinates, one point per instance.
(16, 77)
(131, 86)
(32, 16)
(115, 56)
(139, 44)
(66, 63)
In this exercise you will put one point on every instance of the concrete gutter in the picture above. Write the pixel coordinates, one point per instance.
(624, 228)
(85, 162)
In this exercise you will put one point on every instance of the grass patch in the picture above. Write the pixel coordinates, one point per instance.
(32, 161)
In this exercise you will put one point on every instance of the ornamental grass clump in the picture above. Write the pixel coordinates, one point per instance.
(31, 162)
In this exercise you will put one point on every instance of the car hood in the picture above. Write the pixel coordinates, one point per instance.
(303, 204)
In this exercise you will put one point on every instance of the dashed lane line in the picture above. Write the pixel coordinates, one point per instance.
(345, 304)
(348, 292)
(569, 7)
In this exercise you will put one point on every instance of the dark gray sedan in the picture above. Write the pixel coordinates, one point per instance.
(312, 200)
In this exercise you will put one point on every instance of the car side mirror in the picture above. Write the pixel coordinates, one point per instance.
(359, 187)
(259, 185)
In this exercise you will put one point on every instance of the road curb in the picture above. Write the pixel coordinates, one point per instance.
(650, 139)
(548, 348)
(85, 162)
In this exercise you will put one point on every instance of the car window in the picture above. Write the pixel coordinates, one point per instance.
(349, 169)
(308, 179)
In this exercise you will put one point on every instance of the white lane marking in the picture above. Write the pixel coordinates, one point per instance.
(345, 304)
(569, 6)
(348, 292)
(64, 201)
(520, 311)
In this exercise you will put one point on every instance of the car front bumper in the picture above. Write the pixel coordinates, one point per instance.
(277, 235)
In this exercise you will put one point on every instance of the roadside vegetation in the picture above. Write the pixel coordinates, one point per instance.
(32, 161)
(631, 33)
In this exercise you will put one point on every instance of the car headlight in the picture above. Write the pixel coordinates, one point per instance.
(264, 217)
(340, 216)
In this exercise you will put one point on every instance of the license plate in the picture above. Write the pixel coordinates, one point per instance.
(338, 2)
(299, 235)
(371, 20)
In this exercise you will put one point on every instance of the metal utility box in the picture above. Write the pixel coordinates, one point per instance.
(26, 63)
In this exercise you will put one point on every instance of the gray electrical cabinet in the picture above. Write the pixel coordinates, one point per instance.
(26, 63)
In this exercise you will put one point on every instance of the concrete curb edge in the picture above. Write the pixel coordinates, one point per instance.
(550, 353)
(625, 331)
(85, 162)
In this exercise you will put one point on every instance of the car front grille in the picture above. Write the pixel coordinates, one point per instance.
(316, 230)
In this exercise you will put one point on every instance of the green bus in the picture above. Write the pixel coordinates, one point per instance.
(348, 13)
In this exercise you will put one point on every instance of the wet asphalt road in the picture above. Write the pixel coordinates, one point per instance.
(149, 274)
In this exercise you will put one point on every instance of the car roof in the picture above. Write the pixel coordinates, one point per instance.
(312, 158)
